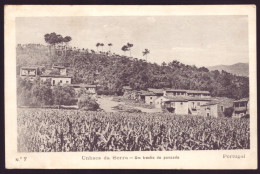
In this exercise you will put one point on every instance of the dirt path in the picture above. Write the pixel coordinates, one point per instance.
(107, 105)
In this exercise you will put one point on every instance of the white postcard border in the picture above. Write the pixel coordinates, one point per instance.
(74, 160)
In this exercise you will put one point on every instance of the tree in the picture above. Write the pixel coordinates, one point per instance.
(129, 45)
(146, 52)
(228, 112)
(66, 40)
(164, 64)
(97, 45)
(125, 48)
(52, 39)
(47, 40)
(42, 94)
(110, 45)
(102, 46)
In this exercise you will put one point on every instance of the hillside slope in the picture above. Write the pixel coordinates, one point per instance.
(112, 72)
(240, 69)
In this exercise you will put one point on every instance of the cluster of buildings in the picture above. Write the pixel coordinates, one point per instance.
(177, 101)
(189, 102)
(60, 77)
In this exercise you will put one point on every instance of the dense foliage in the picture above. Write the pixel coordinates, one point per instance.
(38, 93)
(113, 71)
(50, 130)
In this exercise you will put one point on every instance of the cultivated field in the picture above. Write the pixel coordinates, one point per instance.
(56, 130)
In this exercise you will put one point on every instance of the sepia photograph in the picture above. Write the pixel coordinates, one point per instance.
(108, 84)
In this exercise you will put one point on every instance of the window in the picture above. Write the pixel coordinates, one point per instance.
(222, 108)
(60, 81)
(67, 81)
(181, 103)
(151, 103)
(207, 114)
(198, 103)
(242, 104)
(53, 82)
(151, 98)
(193, 105)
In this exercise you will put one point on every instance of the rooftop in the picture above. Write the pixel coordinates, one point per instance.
(83, 85)
(211, 103)
(146, 93)
(175, 90)
(127, 87)
(29, 67)
(57, 76)
(187, 91)
(157, 91)
(186, 98)
(197, 91)
(242, 100)
(59, 67)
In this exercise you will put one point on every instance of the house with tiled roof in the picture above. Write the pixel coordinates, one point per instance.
(217, 107)
(241, 107)
(176, 105)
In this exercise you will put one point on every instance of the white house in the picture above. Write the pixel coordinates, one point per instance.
(196, 93)
(29, 72)
(148, 97)
(176, 105)
(175, 92)
(194, 104)
(184, 92)
(56, 79)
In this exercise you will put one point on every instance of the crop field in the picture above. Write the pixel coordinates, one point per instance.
(57, 130)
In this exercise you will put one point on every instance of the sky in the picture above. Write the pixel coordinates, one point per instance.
(193, 40)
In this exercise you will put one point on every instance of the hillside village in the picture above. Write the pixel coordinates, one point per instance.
(177, 101)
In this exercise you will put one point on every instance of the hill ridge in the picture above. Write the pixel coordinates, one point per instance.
(112, 72)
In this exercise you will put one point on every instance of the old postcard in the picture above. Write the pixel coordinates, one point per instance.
(130, 87)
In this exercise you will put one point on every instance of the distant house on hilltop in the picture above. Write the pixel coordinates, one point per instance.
(241, 107)
(29, 72)
(61, 69)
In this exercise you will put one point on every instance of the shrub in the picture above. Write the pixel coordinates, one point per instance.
(63, 95)
(85, 102)
(228, 112)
